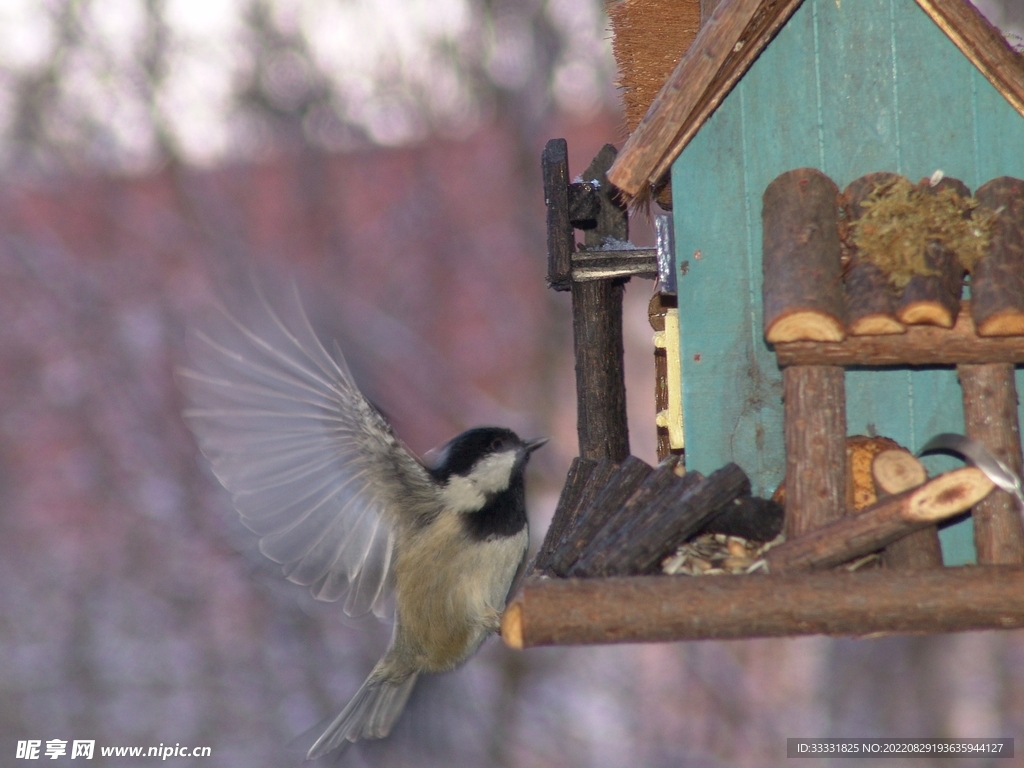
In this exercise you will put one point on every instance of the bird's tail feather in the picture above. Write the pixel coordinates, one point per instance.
(370, 714)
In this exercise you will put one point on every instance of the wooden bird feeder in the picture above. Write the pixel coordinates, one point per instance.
(784, 324)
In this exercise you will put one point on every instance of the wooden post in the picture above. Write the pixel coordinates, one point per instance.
(597, 333)
(870, 300)
(815, 435)
(803, 290)
(997, 283)
(935, 299)
(554, 162)
(990, 417)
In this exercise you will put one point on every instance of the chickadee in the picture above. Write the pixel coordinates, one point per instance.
(347, 509)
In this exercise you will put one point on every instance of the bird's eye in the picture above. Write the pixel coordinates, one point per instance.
(497, 444)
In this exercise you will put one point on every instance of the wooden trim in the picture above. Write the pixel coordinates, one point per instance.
(722, 52)
(920, 345)
(670, 608)
(983, 44)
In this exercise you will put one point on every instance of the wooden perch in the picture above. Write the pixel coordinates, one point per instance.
(669, 608)
(997, 282)
(935, 299)
(803, 296)
(896, 471)
(882, 523)
(920, 345)
(990, 417)
(870, 300)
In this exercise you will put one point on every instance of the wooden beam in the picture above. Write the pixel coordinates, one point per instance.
(727, 44)
(670, 608)
(814, 400)
(920, 345)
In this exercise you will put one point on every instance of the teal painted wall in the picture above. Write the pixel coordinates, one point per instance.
(848, 87)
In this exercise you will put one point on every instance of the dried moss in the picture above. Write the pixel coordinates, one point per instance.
(899, 220)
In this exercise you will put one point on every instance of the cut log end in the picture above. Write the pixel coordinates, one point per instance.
(805, 326)
(876, 325)
(1006, 323)
(895, 471)
(512, 626)
(949, 494)
(926, 313)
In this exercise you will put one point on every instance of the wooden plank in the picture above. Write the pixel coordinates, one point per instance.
(608, 502)
(671, 608)
(920, 345)
(561, 241)
(858, 118)
(567, 511)
(931, 137)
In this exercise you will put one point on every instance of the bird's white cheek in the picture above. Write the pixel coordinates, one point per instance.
(492, 475)
(462, 495)
(489, 476)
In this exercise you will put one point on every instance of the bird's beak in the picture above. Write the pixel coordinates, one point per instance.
(537, 442)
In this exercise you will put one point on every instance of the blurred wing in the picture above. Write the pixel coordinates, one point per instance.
(313, 468)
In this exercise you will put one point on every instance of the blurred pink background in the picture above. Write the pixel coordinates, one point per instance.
(386, 157)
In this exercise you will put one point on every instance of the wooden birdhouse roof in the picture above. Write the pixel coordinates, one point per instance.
(728, 45)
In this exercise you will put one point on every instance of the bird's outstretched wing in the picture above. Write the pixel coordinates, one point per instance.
(313, 468)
